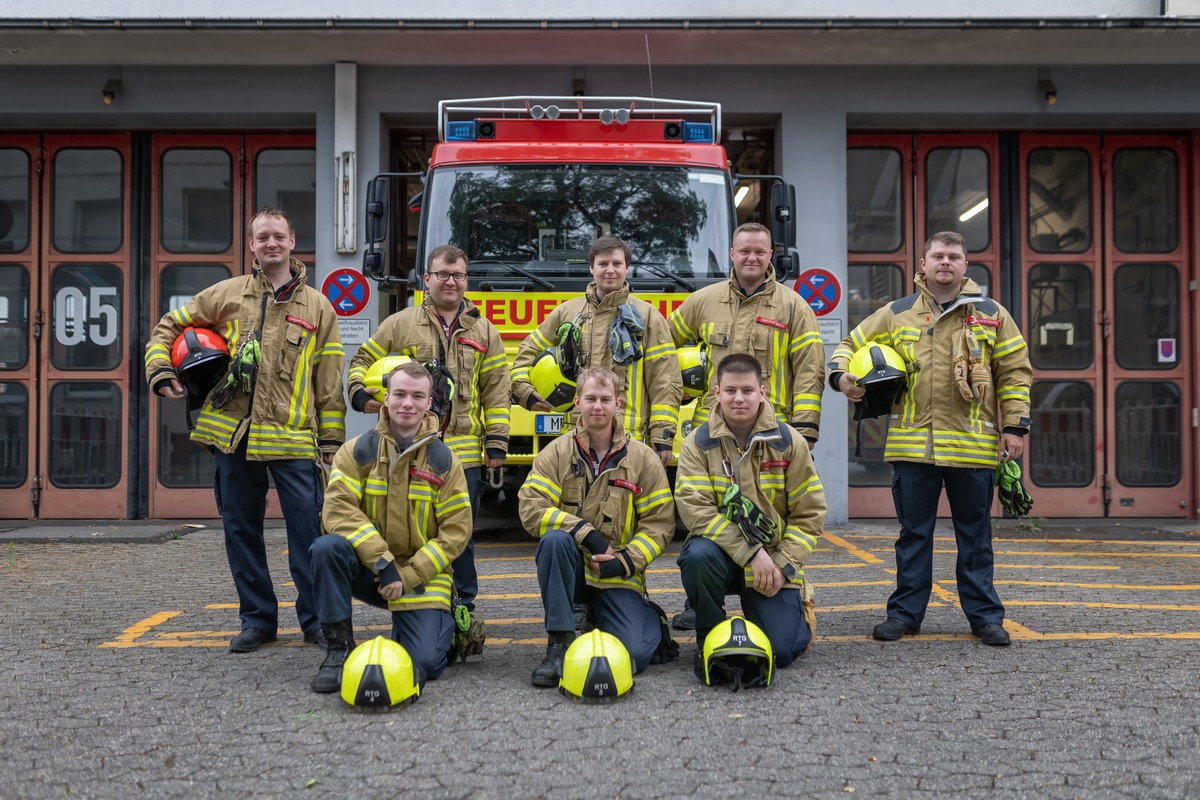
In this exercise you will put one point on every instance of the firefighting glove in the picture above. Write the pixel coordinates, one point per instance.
(962, 366)
(1015, 501)
(755, 526)
(979, 376)
(470, 633)
(668, 648)
(241, 376)
(569, 353)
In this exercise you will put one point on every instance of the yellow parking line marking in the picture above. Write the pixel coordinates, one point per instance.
(852, 549)
(1058, 566)
(130, 634)
(1086, 604)
(1134, 542)
(1068, 553)
(945, 594)
(1151, 588)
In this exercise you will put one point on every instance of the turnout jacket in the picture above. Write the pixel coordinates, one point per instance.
(776, 327)
(775, 471)
(932, 423)
(652, 386)
(406, 512)
(627, 505)
(474, 354)
(296, 405)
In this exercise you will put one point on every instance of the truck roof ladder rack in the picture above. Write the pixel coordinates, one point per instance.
(569, 107)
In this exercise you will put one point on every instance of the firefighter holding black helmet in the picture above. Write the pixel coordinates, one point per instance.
(964, 409)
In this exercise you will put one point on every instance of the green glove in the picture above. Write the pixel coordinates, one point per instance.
(1015, 501)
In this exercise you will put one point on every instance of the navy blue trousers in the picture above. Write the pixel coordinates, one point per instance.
(466, 579)
(241, 490)
(708, 574)
(624, 613)
(338, 575)
(916, 489)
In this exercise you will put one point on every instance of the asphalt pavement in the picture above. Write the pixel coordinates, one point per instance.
(118, 683)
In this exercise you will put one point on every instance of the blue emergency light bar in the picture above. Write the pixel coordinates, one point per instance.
(463, 131)
(698, 132)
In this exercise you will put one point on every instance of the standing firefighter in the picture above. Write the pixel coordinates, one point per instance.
(601, 506)
(610, 328)
(448, 329)
(396, 515)
(754, 507)
(966, 406)
(278, 409)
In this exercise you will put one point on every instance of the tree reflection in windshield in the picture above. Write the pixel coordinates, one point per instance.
(670, 216)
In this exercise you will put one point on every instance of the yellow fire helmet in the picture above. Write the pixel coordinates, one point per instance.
(883, 373)
(737, 652)
(380, 675)
(692, 363)
(596, 668)
(550, 383)
(380, 370)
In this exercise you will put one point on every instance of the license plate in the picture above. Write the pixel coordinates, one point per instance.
(548, 423)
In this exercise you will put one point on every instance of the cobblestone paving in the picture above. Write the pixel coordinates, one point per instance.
(118, 684)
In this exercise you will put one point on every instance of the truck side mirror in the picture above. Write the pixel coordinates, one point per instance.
(785, 262)
(415, 202)
(783, 214)
(377, 202)
(373, 262)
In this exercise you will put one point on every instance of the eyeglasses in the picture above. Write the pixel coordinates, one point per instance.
(460, 277)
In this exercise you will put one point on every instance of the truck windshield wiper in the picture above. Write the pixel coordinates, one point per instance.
(660, 270)
(545, 284)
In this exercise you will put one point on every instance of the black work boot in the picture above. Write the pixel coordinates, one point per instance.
(339, 637)
(549, 671)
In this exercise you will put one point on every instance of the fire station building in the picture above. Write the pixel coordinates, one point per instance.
(1062, 139)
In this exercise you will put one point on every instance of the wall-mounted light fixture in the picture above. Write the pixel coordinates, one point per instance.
(1046, 86)
(109, 93)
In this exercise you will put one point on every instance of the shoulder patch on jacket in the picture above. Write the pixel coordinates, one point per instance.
(439, 456)
(986, 305)
(366, 448)
(704, 439)
(905, 303)
(785, 437)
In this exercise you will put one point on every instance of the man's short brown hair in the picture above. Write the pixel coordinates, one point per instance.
(606, 244)
(948, 238)
(602, 375)
(752, 227)
(270, 211)
(447, 254)
(742, 364)
(411, 368)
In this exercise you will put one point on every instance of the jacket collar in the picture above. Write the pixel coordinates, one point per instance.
(468, 313)
(735, 288)
(620, 438)
(428, 431)
(766, 427)
(611, 300)
(969, 293)
(299, 276)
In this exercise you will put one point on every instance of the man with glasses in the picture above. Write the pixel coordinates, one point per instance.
(448, 329)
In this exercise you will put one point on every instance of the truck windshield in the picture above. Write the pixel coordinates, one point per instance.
(543, 218)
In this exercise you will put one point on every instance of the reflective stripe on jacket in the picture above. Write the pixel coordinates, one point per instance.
(414, 512)
(479, 416)
(775, 471)
(298, 405)
(629, 503)
(653, 385)
(775, 326)
(932, 423)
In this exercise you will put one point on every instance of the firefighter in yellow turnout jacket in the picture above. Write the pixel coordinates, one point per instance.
(754, 507)
(651, 383)
(966, 360)
(754, 314)
(601, 506)
(281, 410)
(449, 329)
(396, 515)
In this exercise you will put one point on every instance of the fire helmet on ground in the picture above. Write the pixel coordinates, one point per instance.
(737, 652)
(549, 381)
(200, 357)
(882, 372)
(693, 364)
(381, 369)
(596, 668)
(380, 674)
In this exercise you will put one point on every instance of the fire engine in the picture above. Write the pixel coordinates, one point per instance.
(524, 185)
